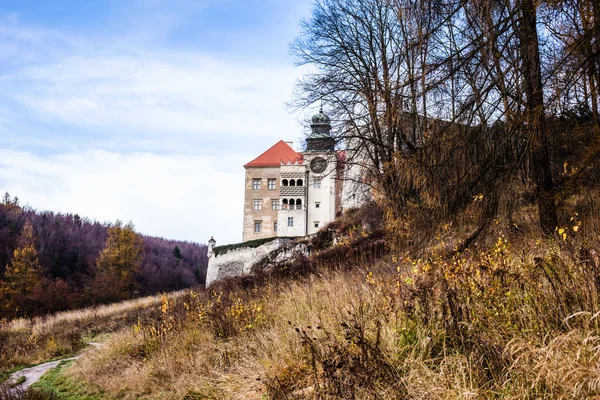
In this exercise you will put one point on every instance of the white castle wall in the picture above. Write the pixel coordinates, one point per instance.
(325, 195)
(299, 228)
(354, 191)
(238, 261)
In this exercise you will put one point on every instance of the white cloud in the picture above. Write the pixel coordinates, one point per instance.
(147, 97)
(123, 127)
(175, 195)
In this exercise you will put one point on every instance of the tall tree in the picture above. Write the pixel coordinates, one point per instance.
(22, 276)
(119, 264)
(177, 253)
(535, 116)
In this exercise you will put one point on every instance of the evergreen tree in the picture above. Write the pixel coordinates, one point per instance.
(22, 276)
(197, 274)
(119, 264)
(177, 252)
(11, 204)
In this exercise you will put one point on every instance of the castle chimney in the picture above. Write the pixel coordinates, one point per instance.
(291, 144)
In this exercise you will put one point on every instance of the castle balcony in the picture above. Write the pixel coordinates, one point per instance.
(288, 207)
(292, 191)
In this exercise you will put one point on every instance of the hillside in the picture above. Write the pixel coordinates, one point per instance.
(514, 316)
(66, 249)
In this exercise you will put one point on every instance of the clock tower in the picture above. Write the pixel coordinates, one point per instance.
(321, 161)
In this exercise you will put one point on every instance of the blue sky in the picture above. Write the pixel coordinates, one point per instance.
(144, 110)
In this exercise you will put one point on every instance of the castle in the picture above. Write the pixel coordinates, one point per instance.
(291, 194)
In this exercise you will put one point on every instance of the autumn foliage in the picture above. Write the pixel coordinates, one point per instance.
(119, 264)
(54, 262)
(22, 277)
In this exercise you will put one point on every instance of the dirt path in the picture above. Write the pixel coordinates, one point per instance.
(33, 374)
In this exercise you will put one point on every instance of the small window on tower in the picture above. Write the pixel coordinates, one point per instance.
(257, 205)
(317, 184)
(316, 224)
(256, 184)
(317, 205)
(271, 184)
(257, 226)
(290, 221)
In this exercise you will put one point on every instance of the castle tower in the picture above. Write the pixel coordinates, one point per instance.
(320, 138)
(211, 246)
(321, 161)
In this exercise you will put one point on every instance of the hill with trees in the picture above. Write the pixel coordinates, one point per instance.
(475, 272)
(53, 262)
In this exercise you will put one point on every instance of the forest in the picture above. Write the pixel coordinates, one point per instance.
(53, 262)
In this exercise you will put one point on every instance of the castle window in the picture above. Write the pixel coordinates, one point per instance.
(317, 205)
(257, 226)
(299, 182)
(284, 182)
(285, 204)
(257, 205)
(271, 184)
(290, 221)
(275, 226)
(292, 182)
(275, 205)
(299, 204)
(317, 184)
(316, 224)
(292, 203)
(256, 184)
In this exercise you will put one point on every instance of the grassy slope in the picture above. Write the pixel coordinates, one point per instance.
(507, 321)
(25, 343)
(513, 318)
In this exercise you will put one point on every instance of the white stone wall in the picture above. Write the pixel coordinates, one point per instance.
(238, 261)
(299, 228)
(354, 191)
(325, 195)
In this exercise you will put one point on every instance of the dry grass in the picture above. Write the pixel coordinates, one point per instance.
(513, 317)
(507, 321)
(41, 325)
(29, 341)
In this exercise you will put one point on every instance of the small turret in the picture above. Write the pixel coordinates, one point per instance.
(211, 245)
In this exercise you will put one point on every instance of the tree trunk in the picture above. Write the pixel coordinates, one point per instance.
(535, 117)
(595, 63)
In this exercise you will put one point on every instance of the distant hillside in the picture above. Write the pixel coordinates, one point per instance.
(67, 248)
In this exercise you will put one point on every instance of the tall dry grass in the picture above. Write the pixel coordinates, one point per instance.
(515, 319)
(29, 341)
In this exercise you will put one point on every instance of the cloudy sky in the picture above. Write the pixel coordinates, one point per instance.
(144, 110)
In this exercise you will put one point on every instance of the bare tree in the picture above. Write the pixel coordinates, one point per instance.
(444, 101)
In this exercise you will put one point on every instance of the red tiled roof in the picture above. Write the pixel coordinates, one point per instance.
(281, 151)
